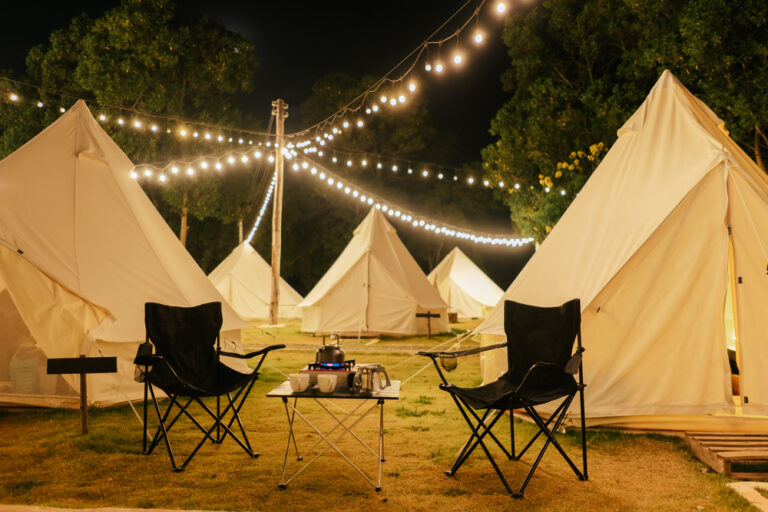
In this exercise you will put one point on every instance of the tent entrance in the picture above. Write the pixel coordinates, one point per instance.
(731, 326)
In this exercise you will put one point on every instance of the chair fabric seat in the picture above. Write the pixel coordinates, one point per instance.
(223, 380)
(500, 394)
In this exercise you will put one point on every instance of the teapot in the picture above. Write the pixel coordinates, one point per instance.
(368, 379)
(332, 354)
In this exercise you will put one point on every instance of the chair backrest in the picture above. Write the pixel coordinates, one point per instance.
(186, 337)
(539, 334)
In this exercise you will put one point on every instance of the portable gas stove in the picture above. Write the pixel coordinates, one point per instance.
(344, 371)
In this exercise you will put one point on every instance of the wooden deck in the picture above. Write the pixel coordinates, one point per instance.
(739, 456)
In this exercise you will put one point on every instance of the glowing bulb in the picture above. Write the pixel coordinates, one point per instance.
(120, 121)
(363, 198)
(334, 159)
(62, 109)
(102, 117)
(239, 141)
(155, 128)
(257, 154)
(428, 67)
(394, 168)
(313, 170)
(364, 163)
(345, 124)
(163, 178)
(546, 189)
(304, 165)
(355, 193)
(410, 171)
(368, 110)
(190, 171)
(470, 180)
(231, 160)
(393, 102)
(207, 136)
(218, 166)
(271, 158)
(13, 97)
(295, 167)
(360, 123)
(379, 166)
(440, 176)
(347, 190)
(501, 7)
(330, 181)
(501, 184)
(244, 159)
(204, 165)
(412, 86)
(401, 98)
(478, 37)
(457, 58)
(175, 170)
(439, 68)
(370, 200)
(383, 99)
(349, 163)
(486, 183)
(220, 138)
(195, 135)
(517, 186)
(339, 185)
(134, 174)
(322, 176)
(375, 108)
(40, 104)
(137, 124)
(183, 132)
(562, 192)
(335, 131)
(425, 173)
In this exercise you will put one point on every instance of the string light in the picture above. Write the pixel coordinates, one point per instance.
(414, 220)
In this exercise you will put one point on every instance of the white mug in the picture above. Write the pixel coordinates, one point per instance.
(326, 383)
(299, 381)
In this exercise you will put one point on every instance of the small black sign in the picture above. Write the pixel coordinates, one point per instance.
(82, 365)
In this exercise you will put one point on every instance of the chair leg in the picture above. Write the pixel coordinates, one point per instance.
(512, 435)
(467, 450)
(583, 433)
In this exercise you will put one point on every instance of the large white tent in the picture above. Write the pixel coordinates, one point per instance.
(245, 280)
(675, 216)
(81, 250)
(375, 287)
(467, 289)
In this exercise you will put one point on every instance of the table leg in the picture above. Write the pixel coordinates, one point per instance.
(380, 403)
(291, 436)
(331, 444)
(341, 423)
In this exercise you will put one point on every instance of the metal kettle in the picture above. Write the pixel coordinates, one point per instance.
(368, 378)
(330, 353)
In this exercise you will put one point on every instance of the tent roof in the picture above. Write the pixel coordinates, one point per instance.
(376, 238)
(69, 205)
(251, 270)
(457, 267)
(635, 191)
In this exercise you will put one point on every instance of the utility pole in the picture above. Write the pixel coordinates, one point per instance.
(279, 110)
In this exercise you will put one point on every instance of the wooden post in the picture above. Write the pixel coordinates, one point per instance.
(279, 111)
(83, 400)
(240, 230)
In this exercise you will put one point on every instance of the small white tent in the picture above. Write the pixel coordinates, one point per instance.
(467, 289)
(81, 250)
(375, 287)
(675, 216)
(245, 280)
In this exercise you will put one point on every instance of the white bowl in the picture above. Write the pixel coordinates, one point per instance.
(326, 383)
(299, 381)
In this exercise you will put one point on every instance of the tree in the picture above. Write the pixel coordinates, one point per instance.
(140, 56)
(578, 69)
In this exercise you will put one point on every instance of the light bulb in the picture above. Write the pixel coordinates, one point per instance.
(13, 97)
(440, 176)
(457, 58)
(345, 124)
(364, 163)
(412, 86)
(231, 159)
(486, 183)
(137, 124)
(218, 166)
(428, 67)
(134, 175)
(204, 165)
(183, 133)
(155, 128)
(383, 99)
(517, 186)
(102, 117)
(439, 68)
(501, 7)
(478, 37)
(163, 178)
(196, 135)
(175, 170)
(190, 171)
(425, 173)
(349, 163)
(394, 168)
(375, 108)
(470, 180)
(360, 123)
(40, 104)
(393, 102)
(121, 122)
(401, 98)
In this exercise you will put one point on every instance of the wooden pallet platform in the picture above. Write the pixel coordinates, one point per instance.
(737, 455)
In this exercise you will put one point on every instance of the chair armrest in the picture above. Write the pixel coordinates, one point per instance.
(462, 353)
(252, 354)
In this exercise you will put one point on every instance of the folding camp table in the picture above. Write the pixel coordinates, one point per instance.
(284, 391)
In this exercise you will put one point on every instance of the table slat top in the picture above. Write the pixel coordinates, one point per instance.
(391, 392)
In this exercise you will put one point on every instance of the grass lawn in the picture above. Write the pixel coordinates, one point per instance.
(46, 462)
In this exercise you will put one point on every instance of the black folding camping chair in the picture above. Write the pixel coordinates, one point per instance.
(542, 366)
(187, 366)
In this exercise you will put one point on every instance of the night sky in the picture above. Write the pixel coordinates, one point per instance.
(297, 43)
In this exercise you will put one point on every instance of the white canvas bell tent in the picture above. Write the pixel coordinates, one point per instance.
(245, 280)
(375, 287)
(81, 250)
(467, 289)
(675, 215)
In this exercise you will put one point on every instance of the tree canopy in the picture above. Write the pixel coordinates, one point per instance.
(579, 68)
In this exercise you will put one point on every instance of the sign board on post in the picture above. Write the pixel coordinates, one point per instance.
(429, 316)
(82, 365)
